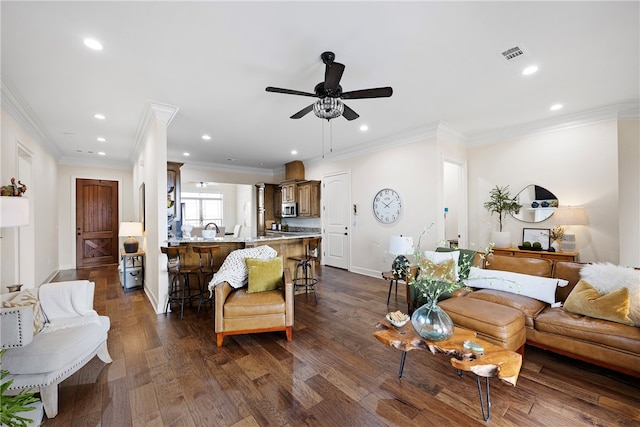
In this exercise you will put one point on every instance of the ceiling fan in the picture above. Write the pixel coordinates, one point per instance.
(330, 94)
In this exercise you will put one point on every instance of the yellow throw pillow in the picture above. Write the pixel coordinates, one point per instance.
(26, 298)
(444, 270)
(264, 274)
(586, 300)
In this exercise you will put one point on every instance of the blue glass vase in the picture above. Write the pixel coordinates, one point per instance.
(432, 323)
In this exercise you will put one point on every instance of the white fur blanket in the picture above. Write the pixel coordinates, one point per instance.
(234, 268)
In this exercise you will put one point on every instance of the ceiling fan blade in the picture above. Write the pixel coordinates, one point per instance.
(379, 92)
(332, 76)
(348, 113)
(288, 91)
(302, 112)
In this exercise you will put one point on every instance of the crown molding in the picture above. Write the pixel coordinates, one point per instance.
(14, 104)
(629, 109)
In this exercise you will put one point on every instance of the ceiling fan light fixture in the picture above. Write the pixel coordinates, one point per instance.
(328, 108)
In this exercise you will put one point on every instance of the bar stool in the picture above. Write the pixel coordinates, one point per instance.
(304, 275)
(179, 284)
(207, 268)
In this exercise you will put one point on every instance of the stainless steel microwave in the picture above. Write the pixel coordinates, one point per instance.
(289, 210)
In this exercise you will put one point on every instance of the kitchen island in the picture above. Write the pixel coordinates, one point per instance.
(287, 244)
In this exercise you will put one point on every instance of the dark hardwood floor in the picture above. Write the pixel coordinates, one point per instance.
(169, 372)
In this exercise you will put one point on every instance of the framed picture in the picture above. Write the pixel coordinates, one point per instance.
(533, 235)
(141, 205)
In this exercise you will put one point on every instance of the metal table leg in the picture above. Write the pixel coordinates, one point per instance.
(402, 359)
(485, 414)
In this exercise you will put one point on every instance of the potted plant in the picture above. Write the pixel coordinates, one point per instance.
(12, 408)
(501, 203)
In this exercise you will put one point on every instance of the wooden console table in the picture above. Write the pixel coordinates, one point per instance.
(553, 256)
(495, 361)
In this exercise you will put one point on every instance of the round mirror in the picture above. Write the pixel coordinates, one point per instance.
(537, 202)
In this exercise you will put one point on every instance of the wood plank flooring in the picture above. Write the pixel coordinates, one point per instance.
(169, 372)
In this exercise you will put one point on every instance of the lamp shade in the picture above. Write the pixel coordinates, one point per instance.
(401, 245)
(128, 229)
(570, 215)
(14, 211)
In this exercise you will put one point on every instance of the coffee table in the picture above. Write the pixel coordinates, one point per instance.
(494, 361)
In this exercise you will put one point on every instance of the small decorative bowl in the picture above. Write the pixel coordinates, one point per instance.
(398, 324)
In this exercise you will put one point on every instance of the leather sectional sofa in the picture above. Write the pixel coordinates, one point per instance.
(602, 342)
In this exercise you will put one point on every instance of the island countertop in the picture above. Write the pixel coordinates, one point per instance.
(287, 244)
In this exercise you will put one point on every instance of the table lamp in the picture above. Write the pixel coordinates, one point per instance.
(130, 229)
(568, 216)
(14, 211)
(400, 246)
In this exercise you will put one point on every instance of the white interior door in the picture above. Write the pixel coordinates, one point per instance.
(336, 196)
(26, 274)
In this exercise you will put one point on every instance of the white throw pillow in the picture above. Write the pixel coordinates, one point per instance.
(540, 288)
(607, 277)
(441, 257)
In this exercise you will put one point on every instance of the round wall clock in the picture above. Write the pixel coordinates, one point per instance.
(387, 206)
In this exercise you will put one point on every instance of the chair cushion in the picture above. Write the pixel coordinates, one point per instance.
(264, 274)
(52, 351)
(241, 303)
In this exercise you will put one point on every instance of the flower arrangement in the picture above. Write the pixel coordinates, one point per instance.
(557, 233)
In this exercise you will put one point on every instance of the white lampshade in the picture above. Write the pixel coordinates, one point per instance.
(128, 229)
(401, 245)
(570, 215)
(14, 211)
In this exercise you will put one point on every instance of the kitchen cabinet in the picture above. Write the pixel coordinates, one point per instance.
(173, 192)
(289, 191)
(309, 199)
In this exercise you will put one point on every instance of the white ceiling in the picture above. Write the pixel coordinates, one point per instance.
(213, 60)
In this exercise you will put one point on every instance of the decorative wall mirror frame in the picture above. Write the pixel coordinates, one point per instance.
(538, 204)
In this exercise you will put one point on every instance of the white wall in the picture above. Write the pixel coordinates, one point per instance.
(579, 165)
(43, 201)
(629, 184)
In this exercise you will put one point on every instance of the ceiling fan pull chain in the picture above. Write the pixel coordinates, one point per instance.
(330, 136)
(322, 124)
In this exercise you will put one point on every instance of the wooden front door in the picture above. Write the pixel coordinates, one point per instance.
(96, 222)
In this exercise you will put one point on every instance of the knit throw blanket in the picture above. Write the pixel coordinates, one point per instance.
(234, 268)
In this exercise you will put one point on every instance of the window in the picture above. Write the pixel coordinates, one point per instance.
(202, 208)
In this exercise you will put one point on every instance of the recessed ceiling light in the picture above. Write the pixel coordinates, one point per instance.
(364, 128)
(99, 116)
(294, 152)
(206, 137)
(530, 70)
(101, 139)
(555, 107)
(186, 154)
(102, 153)
(93, 44)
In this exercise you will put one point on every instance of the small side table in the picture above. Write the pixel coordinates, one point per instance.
(392, 276)
(137, 263)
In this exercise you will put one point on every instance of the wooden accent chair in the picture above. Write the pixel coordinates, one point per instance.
(239, 312)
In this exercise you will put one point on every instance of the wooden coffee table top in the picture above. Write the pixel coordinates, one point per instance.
(496, 361)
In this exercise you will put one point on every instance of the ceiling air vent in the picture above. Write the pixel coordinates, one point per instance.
(513, 53)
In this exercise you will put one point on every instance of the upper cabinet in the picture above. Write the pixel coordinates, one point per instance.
(309, 199)
(289, 191)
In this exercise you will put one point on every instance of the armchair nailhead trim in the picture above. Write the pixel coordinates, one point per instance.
(20, 325)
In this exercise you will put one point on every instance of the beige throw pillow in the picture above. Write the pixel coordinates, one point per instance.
(27, 298)
(586, 300)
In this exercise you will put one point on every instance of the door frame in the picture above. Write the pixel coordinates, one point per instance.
(463, 224)
(72, 224)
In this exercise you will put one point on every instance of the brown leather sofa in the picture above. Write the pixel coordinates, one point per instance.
(240, 312)
(608, 344)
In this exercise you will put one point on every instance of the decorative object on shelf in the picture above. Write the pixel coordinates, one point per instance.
(130, 229)
(13, 189)
(387, 206)
(14, 288)
(538, 237)
(556, 235)
(14, 211)
(501, 203)
(535, 204)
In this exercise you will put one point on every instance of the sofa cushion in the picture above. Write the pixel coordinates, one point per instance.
(53, 351)
(264, 274)
(530, 307)
(559, 322)
(242, 304)
(586, 300)
(540, 288)
(448, 261)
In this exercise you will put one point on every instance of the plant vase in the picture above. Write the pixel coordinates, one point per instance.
(501, 239)
(432, 323)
